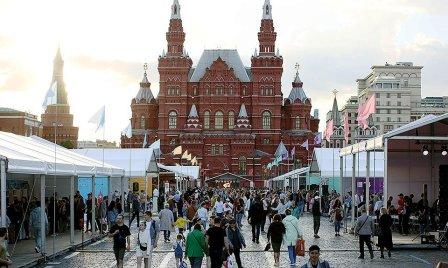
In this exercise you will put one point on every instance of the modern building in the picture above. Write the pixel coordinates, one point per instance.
(56, 120)
(430, 105)
(230, 116)
(20, 123)
(398, 91)
(96, 144)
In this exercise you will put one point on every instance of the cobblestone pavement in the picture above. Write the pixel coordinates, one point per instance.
(338, 251)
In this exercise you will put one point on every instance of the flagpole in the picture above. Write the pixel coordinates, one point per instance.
(54, 175)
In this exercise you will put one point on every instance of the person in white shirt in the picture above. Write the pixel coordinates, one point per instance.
(228, 206)
(202, 214)
(378, 206)
(219, 208)
(143, 241)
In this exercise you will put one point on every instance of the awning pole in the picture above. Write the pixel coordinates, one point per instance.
(92, 223)
(341, 174)
(3, 191)
(43, 217)
(385, 188)
(368, 182)
(353, 187)
(72, 211)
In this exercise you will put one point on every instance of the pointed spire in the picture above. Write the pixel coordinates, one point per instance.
(58, 57)
(243, 112)
(145, 88)
(175, 10)
(193, 123)
(242, 122)
(297, 91)
(58, 76)
(193, 112)
(267, 10)
(335, 111)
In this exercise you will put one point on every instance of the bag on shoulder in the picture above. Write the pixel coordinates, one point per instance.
(300, 247)
(143, 248)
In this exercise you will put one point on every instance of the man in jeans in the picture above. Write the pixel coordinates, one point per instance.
(364, 228)
(216, 243)
(255, 218)
(315, 209)
(135, 209)
(121, 233)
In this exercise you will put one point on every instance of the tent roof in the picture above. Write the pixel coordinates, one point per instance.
(34, 155)
(184, 171)
(323, 159)
(227, 177)
(136, 162)
(295, 172)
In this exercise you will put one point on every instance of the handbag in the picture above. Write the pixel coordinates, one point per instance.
(300, 247)
(143, 248)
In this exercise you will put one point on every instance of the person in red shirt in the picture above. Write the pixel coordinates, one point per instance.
(401, 212)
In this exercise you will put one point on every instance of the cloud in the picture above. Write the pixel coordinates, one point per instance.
(14, 77)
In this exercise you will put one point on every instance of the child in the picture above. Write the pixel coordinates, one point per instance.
(181, 224)
(179, 247)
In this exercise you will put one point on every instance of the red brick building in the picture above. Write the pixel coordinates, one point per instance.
(231, 116)
(20, 123)
(59, 114)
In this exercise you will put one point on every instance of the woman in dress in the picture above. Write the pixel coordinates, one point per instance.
(337, 214)
(142, 243)
(275, 236)
(385, 234)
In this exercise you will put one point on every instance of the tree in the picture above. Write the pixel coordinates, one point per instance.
(67, 144)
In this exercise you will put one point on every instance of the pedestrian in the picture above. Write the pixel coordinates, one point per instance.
(143, 242)
(202, 214)
(215, 235)
(89, 203)
(401, 211)
(255, 218)
(316, 211)
(292, 233)
(112, 213)
(275, 234)
(219, 208)
(178, 248)
(35, 226)
(191, 212)
(5, 260)
(315, 261)
(181, 224)
(152, 230)
(166, 219)
(337, 214)
(295, 210)
(195, 246)
(385, 232)
(135, 208)
(236, 240)
(363, 228)
(121, 233)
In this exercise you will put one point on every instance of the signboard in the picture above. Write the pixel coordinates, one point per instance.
(167, 186)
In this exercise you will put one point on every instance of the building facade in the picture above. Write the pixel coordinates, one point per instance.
(430, 105)
(96, 144)
(230, 116)
(57, 121)
(20, 123)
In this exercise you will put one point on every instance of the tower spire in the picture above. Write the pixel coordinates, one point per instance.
(267, 10)
(175, 10)
(267, 35)
(175, 35)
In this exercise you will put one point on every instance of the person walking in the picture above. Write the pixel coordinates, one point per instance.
(364, 228)
(337, 214)
(255, 218)
(135, 209)
(316, 211)
(112, 213)
(315, 261)
(292, 233)
(121, 234)
(219, 208)
(236, 239)
(202, 214)
(295, 210)
(385, 234)
(166, 218)
(195, 246)
(142, 241)
(35, 226)
(215, 235)
(275, 234)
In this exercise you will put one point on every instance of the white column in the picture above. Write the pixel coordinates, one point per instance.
(43, 218)
(367, 182)
(341, 175)
(93, 205)
(72, 211)
(3, 191)
(122, 192)
(385, 179)
(353, 187)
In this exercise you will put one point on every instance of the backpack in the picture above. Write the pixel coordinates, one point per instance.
(178, 250)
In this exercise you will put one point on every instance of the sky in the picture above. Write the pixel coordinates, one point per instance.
(105, 44)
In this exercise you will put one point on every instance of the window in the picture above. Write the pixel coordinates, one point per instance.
(388, 111)
(207, 90)
(265, 141)
(231, 120)
(297, 123)
(242, 165)
(173, 142)
(398, 111)
(377, 95)
(266, 120)
(387, 85)
(195, 91)
(219, 120)
(398, 95)
(172, 120)
(399, 119)
(399, 103)
(206, 120)
(213, 150)
(406, 83)
(244, 91)
(221, 149)
(388, 119)
(231, 91)
(377, 103)
(378, 85)
(349, 114)
(377, 119)
(142, 122)
(219, 90)
(388, 103)
(388, 95)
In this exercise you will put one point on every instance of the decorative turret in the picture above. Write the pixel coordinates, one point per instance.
(267, 34)
(297, 92)
(242, 123)
(175, 10)
(335, 111)
(58, 77)
(267, 10)
(193, 119)
(175, 35)
(145, 89)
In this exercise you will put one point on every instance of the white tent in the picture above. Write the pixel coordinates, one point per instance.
(182, 171)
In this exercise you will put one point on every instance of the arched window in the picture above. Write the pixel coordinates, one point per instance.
(266, 120)
(219, 120)
(172, 120)
(297, 123)
(231, 120)
(206, 120)
(142, 122)
(242, 165)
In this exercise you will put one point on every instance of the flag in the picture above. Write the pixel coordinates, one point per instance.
(305, 145)
(189, 157)
(329, 130)
(365, 110)
(52, 95)
(278, 160)
(293, 151)
(145, 142)
(177, 164)
(269, 166)
(177, 150)
(185, 155)
(99, 118)
(156, 147)
(127, 131)
(318, 138)
(194, 161)
(346, 129)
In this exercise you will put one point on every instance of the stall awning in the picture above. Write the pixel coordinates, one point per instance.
(34, 155)
(191, 172)
(227, 177)
(296, 172)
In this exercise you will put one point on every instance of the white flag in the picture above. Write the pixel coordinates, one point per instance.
(177, 150)
(305, 145)
(185, 155)
(127, 131)
(145, 142)
(99, 118)
(52, 95)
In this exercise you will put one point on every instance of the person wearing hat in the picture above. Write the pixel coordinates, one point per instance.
(236, 240)
(316, 215)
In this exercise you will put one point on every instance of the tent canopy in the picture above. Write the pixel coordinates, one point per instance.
(34, 155)
(227, 177)
(136, 162)
(326, 163)
(183, 171)
(296, 172)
